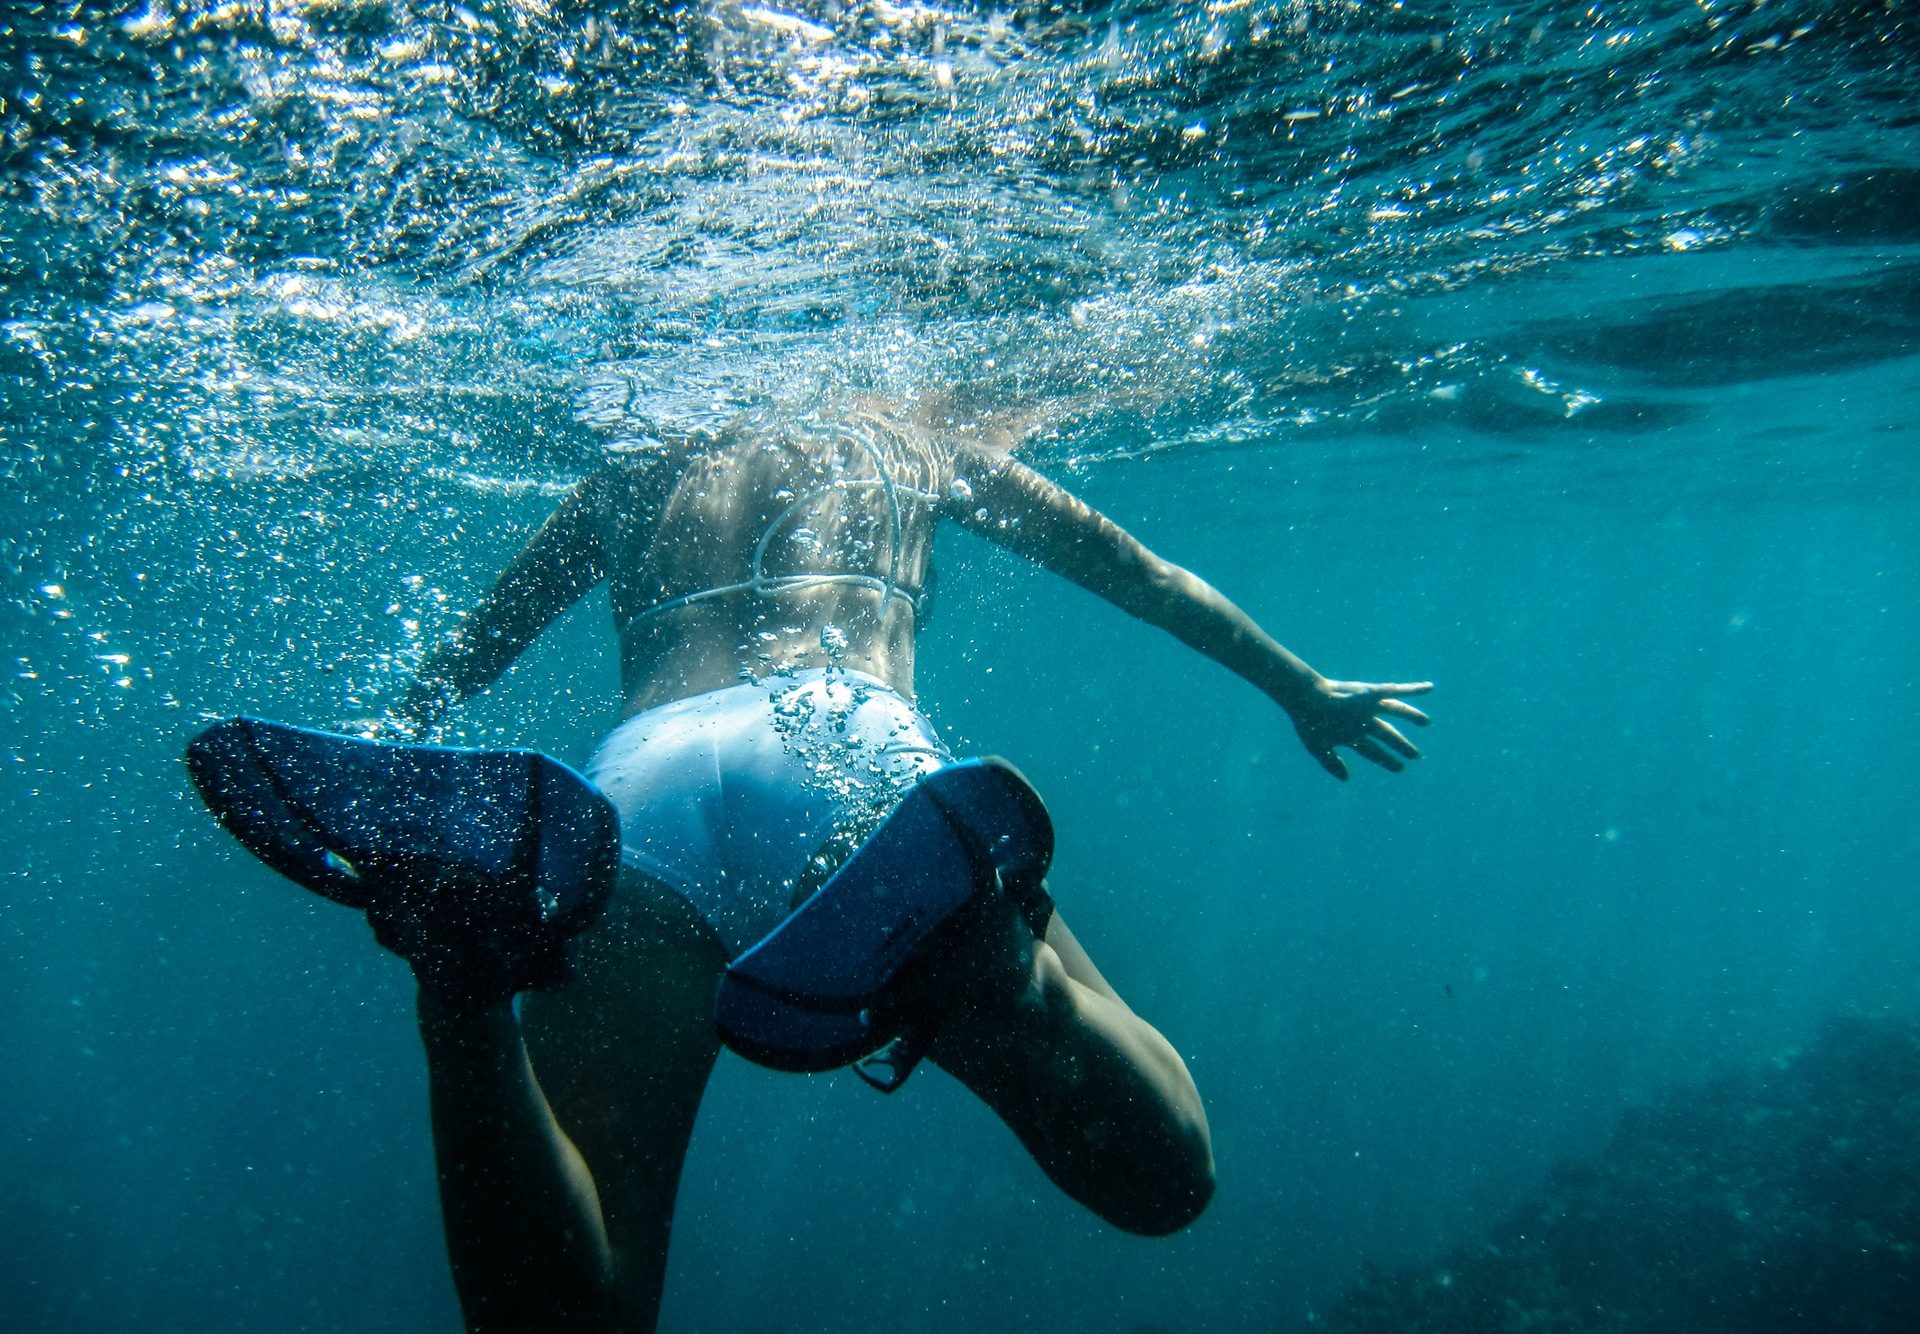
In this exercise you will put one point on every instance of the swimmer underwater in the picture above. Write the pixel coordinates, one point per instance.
(585, 948)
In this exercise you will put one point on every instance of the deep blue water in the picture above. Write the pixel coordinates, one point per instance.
(1570, 358)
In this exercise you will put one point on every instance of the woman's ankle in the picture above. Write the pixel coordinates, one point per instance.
(447, 1022)
(1021, 1015)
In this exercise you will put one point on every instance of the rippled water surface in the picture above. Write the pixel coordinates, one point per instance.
(1566, 353)
(365, 244)
(354, 237)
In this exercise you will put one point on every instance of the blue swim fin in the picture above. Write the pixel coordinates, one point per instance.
(479, 867)
(829, 985)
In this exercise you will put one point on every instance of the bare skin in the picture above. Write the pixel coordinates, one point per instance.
(558, 1188)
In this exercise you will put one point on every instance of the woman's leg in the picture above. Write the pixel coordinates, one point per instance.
(523, 1224)
(624, 1054)
(537, 1241)
(1097, 1095)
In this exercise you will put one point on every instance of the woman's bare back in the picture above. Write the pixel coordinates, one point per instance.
(771, 549)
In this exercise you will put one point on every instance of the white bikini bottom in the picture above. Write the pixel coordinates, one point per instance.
(744, 799)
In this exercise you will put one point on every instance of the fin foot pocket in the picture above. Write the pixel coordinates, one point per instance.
(479, 867)
(842, 978)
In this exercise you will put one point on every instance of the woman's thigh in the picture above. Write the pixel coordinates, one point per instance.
(623, 1055)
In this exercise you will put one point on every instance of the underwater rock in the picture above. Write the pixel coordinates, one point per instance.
(1780, 1198)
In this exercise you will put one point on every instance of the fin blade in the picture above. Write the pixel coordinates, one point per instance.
(455, 847)
(813, 994)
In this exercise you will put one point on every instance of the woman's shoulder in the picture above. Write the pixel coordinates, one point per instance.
(646, 460)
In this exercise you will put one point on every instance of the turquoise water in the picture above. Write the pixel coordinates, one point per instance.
(1569, 357)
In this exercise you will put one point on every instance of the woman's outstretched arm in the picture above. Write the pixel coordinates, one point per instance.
(559, 564)
(1016, 507)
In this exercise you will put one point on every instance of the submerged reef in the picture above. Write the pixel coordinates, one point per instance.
(1781, 1198)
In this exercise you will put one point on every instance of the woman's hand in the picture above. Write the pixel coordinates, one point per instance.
(1348, 713)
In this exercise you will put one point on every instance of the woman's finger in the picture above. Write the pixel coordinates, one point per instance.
(1402, 710)
(1390, 734)
(1369, 749)
(1402, 688)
